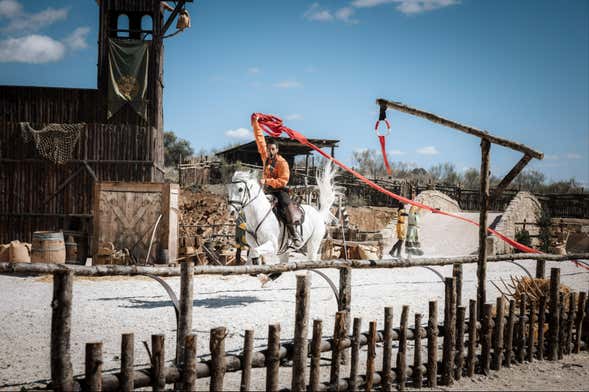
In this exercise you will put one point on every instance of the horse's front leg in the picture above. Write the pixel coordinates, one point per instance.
(265, 249)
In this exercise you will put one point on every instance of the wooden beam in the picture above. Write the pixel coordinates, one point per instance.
(484, 197)
(179, 6)
(511, 175)
(460, 127)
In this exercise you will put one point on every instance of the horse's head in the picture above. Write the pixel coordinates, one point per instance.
(242, 190)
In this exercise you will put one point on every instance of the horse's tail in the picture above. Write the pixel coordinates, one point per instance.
(326, 191)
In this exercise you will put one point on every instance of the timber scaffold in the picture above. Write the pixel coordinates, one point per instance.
(505, 336)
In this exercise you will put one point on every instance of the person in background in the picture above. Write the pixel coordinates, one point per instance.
(401, 232)
(413, 247)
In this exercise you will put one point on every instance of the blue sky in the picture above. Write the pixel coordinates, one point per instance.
(519, 69)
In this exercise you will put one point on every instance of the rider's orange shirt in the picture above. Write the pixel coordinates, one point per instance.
(276, 173)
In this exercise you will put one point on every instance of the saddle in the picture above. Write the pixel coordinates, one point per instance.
(292, 215)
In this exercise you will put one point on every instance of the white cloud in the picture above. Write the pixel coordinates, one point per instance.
(31, 49)
(9, 8)
(396, 152)
(77, 39)
(22, 21)
(345, 15)
(318, 13)
(294, 116)
(550, 157)
(239, 133)
(370, 3)
(253, 70)
(573, 155)
(288, 84)
(419, 6)
(428, 150)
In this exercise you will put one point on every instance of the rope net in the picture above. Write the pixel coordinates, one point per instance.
(55, 142)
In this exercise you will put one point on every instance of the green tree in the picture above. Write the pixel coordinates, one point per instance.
(175, 148)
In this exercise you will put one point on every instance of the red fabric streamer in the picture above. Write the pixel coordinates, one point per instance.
(274, 127)
(384, 153)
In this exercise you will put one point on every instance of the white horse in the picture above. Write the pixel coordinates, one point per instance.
(265, 234)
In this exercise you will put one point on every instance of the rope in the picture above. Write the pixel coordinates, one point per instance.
(275, 127)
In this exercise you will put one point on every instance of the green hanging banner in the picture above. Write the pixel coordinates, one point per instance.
(128, 65)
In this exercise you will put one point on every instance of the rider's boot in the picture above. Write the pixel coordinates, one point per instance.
(294, 235)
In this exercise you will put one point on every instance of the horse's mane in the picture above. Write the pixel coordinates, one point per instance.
(244, 175)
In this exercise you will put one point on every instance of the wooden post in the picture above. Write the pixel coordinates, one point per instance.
(246, 365)
(531, 326)
(345, 301)
(579, 321)
(217, 349)
(432, 345)
(355, 358)
(562, 326)
(387, 349)
(371, 355)
(158, 358)
(570, 322)
(457, 272)
(185, 311)
(472, 338)
(540, 269)
(521, 328)
(62, 375)
(509, 334)
(498, 335)
(315, 372)
(127, 380)
(94, 366)
(460, 319)
(484, 201)
(487, 332)
(300, 334)
(339, 329)
(449, 332)
(402, 353)
(541, 318)
(554, 314)
(417, 373)
(273, 358)
(189, 369)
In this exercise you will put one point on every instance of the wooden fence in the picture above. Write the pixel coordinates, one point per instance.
(526, 330)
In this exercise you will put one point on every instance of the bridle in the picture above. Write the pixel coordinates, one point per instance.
(246, 199)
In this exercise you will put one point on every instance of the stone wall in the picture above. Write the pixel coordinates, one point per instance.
(523, 207)
(439, 200)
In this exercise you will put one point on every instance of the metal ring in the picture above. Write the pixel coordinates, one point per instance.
(388, 128)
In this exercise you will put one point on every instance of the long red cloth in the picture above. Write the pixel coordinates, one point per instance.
(275, 127)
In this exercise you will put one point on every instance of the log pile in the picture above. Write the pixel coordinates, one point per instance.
(202, 213)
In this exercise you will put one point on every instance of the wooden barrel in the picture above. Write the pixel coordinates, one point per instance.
(48, 247)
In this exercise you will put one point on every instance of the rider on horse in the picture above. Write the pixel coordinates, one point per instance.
(274, 180)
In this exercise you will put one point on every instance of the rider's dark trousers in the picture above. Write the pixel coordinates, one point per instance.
(281, 195)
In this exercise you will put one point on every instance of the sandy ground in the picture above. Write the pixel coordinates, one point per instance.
(104, 308)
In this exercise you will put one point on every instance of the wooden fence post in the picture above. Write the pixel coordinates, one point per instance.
(521, 329)
(562, 326)
(402, 352)
(300, 342)
(449, 332)
(487, 332)
(371, 355)
(189, 369)
(498, 335)
(158, 358)
(570, 322)
(355, 357)
(554, 314)
(94, 366)
(339, 333)
(432, 345)
(315, 371)
(460, 319)
(62, 375)
(217, 349)
(484, 199)
(273, 358)
(185, 311)
(579, 321)
(417, 373)
(509, 334)
(127, 380)
(387, 349)
(472, 338)
(457, 273)
(541, 321)
(345, 301)
(246, 371)
(540, 269)
(531, 326)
